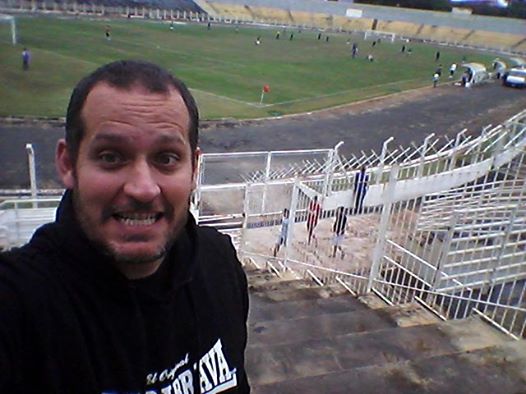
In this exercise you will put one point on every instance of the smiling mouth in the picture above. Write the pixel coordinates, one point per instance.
(137, 219)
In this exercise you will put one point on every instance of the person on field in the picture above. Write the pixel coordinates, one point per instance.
(124, 292)
(26, 58)
(452, 70)
(436, 78)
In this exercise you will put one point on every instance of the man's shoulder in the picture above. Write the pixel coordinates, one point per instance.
(30, 265)
(215, 246)
(211, 237)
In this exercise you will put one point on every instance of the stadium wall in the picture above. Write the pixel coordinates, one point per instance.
(503, 34)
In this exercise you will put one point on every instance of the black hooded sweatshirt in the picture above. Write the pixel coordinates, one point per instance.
(72, 323)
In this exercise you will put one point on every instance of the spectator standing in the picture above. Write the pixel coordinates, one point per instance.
(361, 185)
(282, 239)
(338, 228)
(313, 216)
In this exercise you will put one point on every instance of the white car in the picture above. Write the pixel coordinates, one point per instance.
(516, 77)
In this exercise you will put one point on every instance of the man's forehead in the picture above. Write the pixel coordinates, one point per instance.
(135, 105)
(105, 87)
(136, 98)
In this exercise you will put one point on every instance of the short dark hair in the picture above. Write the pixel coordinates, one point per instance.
(124, 74)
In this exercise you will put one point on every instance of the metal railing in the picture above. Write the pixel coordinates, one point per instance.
(443, 223)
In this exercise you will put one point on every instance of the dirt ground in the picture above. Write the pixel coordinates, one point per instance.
(408, 117)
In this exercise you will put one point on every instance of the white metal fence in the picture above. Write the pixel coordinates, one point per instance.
(443, 223)
(445, 226)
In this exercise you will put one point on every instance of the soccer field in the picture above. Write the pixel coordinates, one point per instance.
(222, 66)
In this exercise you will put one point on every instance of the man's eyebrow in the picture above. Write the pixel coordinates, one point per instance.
(164, 138)
(110, 137)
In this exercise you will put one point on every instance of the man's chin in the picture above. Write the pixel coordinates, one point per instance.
(137, 258)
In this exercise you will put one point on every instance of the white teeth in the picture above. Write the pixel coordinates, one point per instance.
(138, 219)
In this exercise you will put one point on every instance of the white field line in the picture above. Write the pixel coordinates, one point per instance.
(336, 93)
(258, 105)
(182, 54)
(75, 58)
(252, 104)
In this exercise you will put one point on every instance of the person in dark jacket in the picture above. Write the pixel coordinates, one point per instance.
(338, 229)
(124, 293)
(361, 185)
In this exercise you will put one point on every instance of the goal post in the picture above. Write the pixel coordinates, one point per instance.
(8, 19)
(375, 34)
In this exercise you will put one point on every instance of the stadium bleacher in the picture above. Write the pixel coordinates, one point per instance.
(458, 29)
(181, 5)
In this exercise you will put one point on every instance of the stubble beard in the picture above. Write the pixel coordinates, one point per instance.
(88, 224)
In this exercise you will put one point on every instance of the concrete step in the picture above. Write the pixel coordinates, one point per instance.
(495, 369)
(269, 364)
(262, 309)
(276, 332)
(283, 283)
(302, 293)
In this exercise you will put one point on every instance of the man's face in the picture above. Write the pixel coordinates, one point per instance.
(134, 174)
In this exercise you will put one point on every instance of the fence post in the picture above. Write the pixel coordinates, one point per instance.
(266, 179)
(328, 170)
(32, 172)
(331, 160)
(244, 224)
(446, 246)
(502, 249)
(454, 154)
(292, 219)
(380, 170)
(420, 173)
(198, 186)
(387, 201)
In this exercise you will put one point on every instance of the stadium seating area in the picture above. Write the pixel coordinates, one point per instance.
(487, 32)
(181, 5)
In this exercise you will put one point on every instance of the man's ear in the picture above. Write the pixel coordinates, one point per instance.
(195, 167)
(64, 165)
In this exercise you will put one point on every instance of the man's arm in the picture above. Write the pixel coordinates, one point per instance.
(11, 326)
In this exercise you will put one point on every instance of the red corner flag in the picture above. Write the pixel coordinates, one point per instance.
(266, 89)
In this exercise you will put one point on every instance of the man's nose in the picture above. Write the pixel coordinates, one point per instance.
(141, 183)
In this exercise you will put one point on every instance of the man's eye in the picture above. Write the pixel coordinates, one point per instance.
(110, 158)
(167, 159)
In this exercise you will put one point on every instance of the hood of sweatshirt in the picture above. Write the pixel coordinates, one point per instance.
(176, 270)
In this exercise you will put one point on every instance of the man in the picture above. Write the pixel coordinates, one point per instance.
(436, 78)
(338, 229)
(124, 293)
(313, 216)
(282, 238)
(361, 184)
(25, 59)
(452, 70)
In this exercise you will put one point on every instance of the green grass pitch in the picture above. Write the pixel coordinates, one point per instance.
(223, 67)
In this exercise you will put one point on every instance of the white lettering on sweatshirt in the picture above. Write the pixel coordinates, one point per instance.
(215, 375)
